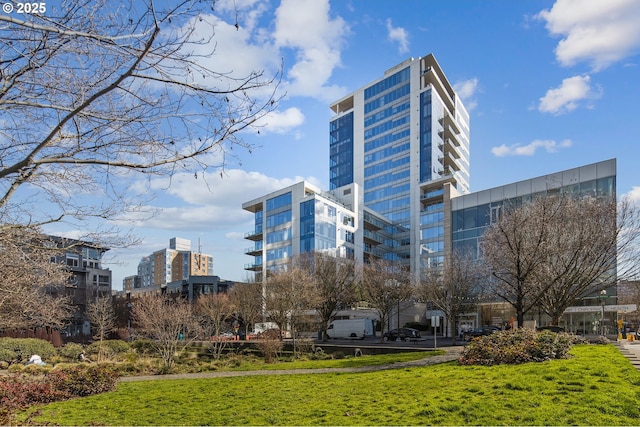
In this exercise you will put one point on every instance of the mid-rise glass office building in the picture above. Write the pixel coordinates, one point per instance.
(473, 213)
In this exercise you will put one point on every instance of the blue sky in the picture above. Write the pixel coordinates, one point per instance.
(549, 86)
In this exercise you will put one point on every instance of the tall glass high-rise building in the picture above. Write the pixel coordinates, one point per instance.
(399, 186)
(401, 139)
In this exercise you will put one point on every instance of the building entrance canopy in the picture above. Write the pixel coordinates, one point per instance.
(598, 309)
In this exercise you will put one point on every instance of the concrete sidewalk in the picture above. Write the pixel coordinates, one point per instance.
(631, 350)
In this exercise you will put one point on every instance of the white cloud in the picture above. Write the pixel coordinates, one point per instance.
(306, 27)
(567, 96)
(634, 194)
(230, 50)
(530, 149)
(247, 12)
(300, 35)
(467, 90)
(280, 121)
(597, 32)
(398, 35)
(208, 202)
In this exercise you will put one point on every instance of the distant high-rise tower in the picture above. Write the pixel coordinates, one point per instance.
(402, 138)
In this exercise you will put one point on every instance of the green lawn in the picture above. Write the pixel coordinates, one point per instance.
(597, 386)
(347, 362)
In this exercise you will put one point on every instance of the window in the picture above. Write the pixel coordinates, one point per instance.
(495, 213)
(73, 260)
(279, 218)
(279, 235)
(349, 237)
(279, 201)
(347, 220)
(278, 253)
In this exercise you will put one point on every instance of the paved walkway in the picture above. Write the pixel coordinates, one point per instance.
(452, 353)
(631, 350)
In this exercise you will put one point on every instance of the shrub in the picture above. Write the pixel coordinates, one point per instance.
(24, 348)
(110, 348)
(70, 351)
(21, 391)
(517, 346)
(304, 347)
(600, 340)
(7, 356)
(269, 344)
(84, 380)
(19, 368)
(143, 346)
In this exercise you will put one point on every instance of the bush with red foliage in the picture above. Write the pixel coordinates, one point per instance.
(19, 392)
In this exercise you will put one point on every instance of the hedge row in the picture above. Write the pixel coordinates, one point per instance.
(19, 350)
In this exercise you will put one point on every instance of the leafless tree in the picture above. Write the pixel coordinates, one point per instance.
(31, 285)
(102, 316)
(593, 243)
(553, 250)
(629, 293)
(289, 295)
(452, 288)
(49, 309)
(247, 300)
(385, 285)
(169, 323)
(214, 310)
(334, 281)
(514, 250)
(93, 92)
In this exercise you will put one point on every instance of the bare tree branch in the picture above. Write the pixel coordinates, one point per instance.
(92, 95)
(169, 323)
(31, 286)
(385, 285)
(102, 316)
(453, 288)
(334, 281)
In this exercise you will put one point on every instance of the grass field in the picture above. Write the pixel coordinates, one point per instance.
(597, 386)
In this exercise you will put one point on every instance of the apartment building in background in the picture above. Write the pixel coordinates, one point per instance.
(89, 280)
(176, 263)
(303, 218)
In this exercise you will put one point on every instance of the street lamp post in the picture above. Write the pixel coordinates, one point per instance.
(398, 317)
(603, 297)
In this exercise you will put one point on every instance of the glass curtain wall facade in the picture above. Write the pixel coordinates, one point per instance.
(472, 214)
(341, 152)
(297, 219)
(317, 226)
(408, 135)
(387, 153)
(278, 216)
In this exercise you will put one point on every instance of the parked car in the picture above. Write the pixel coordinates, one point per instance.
(403, 333)
(484, 330)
